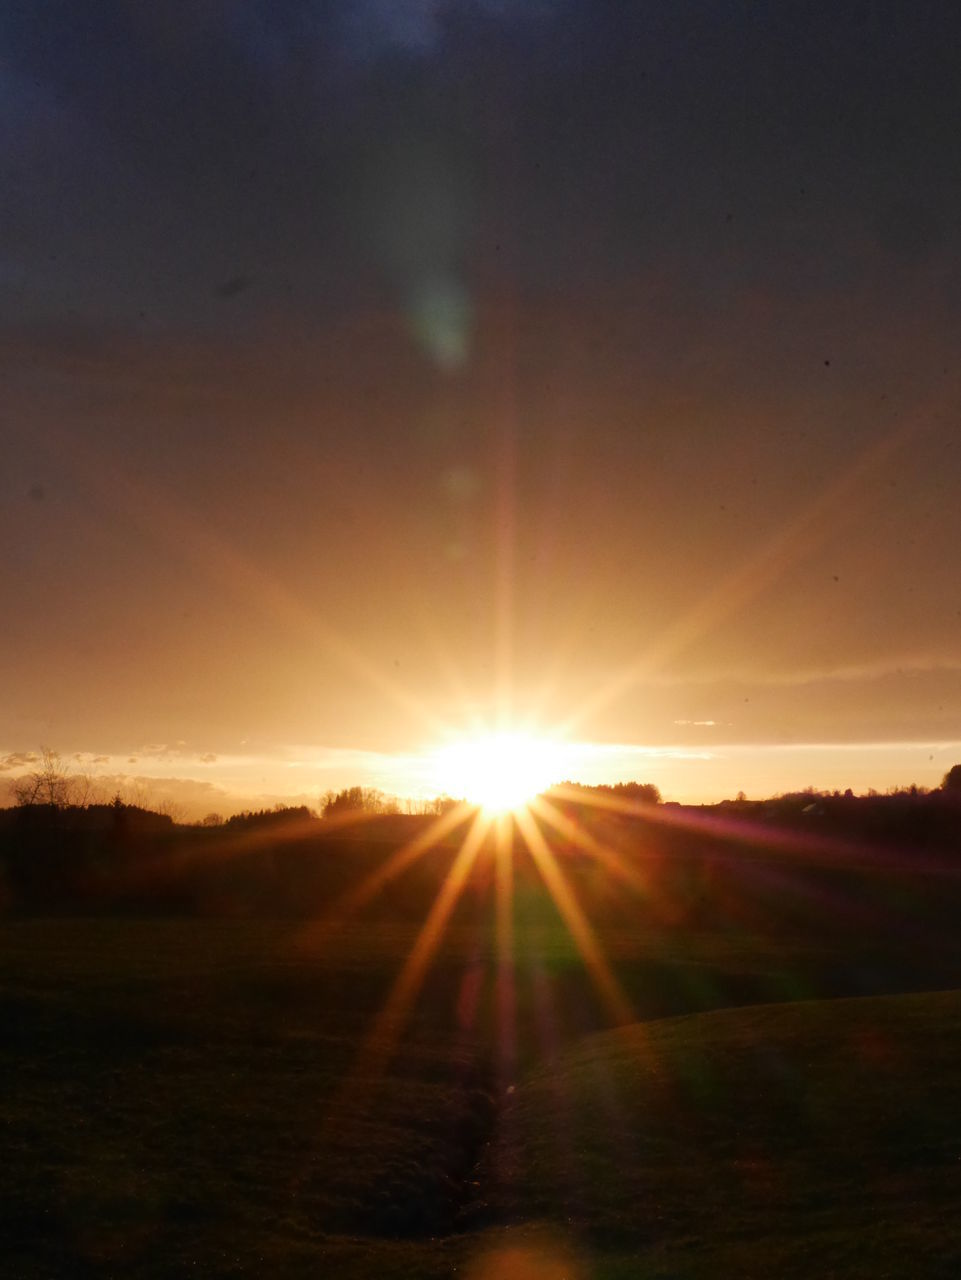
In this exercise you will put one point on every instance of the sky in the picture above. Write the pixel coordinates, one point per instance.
(376, 372)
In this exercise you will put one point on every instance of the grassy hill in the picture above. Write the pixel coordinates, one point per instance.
(192, 1095)
(811, 1139)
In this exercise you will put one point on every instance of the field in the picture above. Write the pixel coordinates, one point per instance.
(226, 1097)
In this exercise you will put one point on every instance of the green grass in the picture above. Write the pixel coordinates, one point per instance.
(818, 1138)
(173, 1101)
(172, 1095)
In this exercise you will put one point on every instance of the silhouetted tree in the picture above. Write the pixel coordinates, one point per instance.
(636, 792)
(52, 783)
(952, 780)
(279, 816)
(645, 792)
(357, 800)
(441, 805)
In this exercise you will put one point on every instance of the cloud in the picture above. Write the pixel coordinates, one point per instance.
(886, 667)
(18, 760)
(160, 750)
(191, 799)
(186, 799)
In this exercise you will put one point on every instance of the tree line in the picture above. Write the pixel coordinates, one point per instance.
(54, 784)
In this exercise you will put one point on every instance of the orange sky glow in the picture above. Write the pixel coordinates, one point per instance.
(484, 383)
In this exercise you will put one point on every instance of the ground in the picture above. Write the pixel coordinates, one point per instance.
(203, 1096)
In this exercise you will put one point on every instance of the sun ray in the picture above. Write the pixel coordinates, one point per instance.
(197, 542)
(585, 939)
(505, 989)
(218, 845)
(835, 850)
(351, 901)
(389, 1024)
(503, 373)
(755, 843)
(797, 537)
(547, 1020)
(608, 857)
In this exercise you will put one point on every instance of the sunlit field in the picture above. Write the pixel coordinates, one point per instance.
(567, 1044)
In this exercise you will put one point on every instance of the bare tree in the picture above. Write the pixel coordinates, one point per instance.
(55, 782)
(50, 783)
(85, 790)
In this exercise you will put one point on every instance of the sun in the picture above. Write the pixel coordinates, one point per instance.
(500, 771)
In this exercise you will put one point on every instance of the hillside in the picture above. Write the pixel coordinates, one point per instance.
(819, 1138)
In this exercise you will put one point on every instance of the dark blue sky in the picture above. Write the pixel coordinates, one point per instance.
(150, 159)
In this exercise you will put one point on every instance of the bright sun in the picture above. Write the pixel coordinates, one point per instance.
(498, 771)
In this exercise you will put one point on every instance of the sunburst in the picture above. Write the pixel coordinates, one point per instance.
(499, 771)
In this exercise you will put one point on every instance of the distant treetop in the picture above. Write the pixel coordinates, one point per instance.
(366, 800)
(641, 792)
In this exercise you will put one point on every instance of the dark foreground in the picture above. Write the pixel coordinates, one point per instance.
(224, 1097)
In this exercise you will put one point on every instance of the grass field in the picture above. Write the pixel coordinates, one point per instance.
(201, 1096)
(817, 1138)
